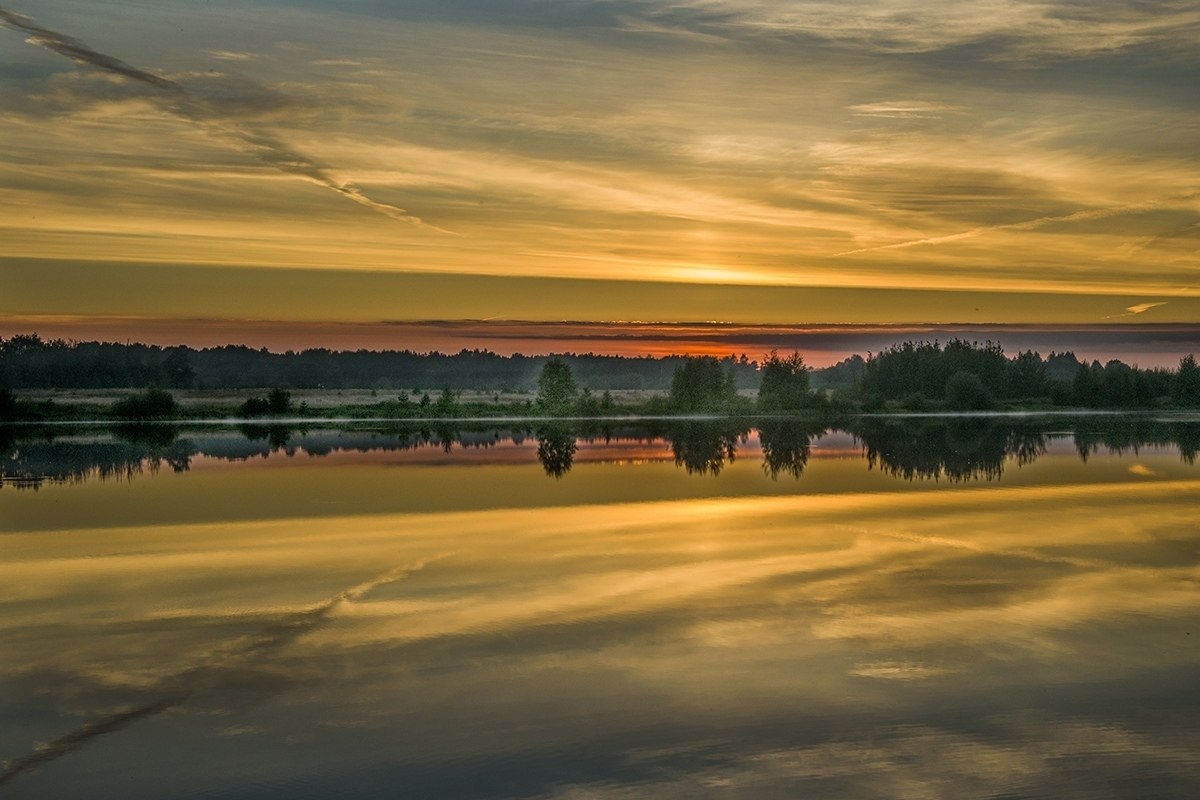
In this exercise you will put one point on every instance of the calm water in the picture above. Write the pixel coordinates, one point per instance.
(903, 608)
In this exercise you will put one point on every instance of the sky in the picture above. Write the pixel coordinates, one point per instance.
(388, 174)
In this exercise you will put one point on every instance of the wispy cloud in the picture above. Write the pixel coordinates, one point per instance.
(1027, 225)
(1018, 29)
(230, 55)
(1139, 308)
(206, 112)
(903, 109)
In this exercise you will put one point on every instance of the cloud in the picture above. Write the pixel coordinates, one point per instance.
(208, 112)
(1140, 308)
(902, 109)
(1013, 28)
(229, 55)
(1027, 225)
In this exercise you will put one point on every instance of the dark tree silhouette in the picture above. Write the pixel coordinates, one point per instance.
(177, 369)
(152, 404)
(556, 388)
(1186, 388)
(701, 385)
(784, 384)
(966, 392)
(9, 407)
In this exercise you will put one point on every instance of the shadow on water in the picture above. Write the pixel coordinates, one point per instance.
(910, 448)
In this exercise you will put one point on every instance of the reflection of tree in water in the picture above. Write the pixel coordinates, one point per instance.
(274, 435)
(1188, 439)
(786, 445)
(447, 436)
(556, 449)
(136, 449)
(1129, 433)
(961, 448)
(702, 447)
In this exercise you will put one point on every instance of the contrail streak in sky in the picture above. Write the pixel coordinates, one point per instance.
(1027, 225)
(184, 103)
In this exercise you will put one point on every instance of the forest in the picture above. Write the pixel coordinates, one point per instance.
(909, 377)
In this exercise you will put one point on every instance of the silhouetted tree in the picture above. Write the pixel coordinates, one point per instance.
(784, 384)
(701, 385)
(279, 401)
(1186, 386)
(446, 405)
(966, 392)
(556, 388)
(9, 407)
(1027, 376)
(177, 369)
(152, 404)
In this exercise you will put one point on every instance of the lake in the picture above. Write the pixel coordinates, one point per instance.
(925, 607)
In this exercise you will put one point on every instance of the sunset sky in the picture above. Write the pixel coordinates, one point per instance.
(442, 174)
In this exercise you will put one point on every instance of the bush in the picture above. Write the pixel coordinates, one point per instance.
(276, 404)
(151, 404)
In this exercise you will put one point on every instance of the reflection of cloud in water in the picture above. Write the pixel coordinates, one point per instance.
(673, 648)
(179, 688)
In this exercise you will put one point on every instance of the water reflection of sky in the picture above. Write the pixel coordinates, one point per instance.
(343, 629)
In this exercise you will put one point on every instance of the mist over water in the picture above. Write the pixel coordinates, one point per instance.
(922, 607)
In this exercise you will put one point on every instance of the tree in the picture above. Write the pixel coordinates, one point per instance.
(784, 384)
(966, 392)
(700, 384)
(1027, 376)
(447, 404)
(8, 404)
(1187, 381)
(279, 401)
(556, 388)
(177, 369)
(1087, 384)
(151, 404)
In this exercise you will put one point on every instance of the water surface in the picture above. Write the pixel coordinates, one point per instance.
(893, 608)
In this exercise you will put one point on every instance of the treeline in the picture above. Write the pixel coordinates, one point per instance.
(964, 375)
(913, 376)
(29, 362)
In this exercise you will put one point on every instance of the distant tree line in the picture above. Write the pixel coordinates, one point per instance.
(965, 375)
(913, 376)
(29, 362)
